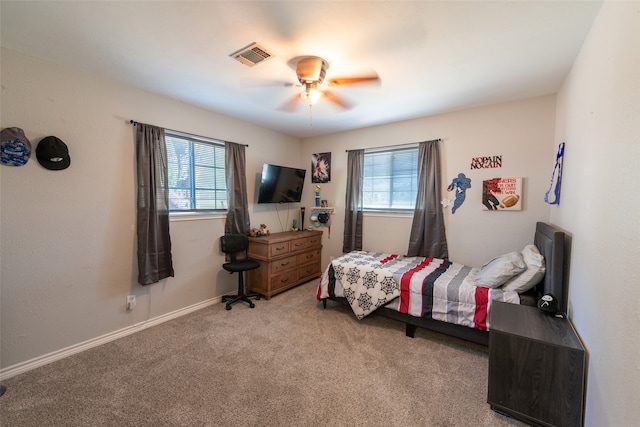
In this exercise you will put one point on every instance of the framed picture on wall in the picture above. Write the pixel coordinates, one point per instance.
(502, 194)
(320, 168)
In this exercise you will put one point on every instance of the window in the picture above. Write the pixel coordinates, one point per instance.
(196, 173)
(390, 179)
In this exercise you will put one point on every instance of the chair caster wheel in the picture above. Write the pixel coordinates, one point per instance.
(251, 305)
(228, 307)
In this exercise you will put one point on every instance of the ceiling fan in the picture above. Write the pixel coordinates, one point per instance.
(311, 71)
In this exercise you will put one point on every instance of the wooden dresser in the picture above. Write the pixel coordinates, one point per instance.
(286, 259)
(536, 366)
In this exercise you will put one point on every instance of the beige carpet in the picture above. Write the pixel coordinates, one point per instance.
(287, 362)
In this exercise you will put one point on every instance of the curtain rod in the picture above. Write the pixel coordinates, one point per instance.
(391, 146)
(133, 122)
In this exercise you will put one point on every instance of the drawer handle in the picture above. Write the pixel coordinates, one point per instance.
(298, 244)
(282, 264)
(312, 241)
(309, 256)
(285, 280)
(280, 248)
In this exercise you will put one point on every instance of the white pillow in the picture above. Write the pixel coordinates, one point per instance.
(532, 276)
(497, 271)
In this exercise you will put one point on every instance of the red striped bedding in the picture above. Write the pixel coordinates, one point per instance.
(422, 287)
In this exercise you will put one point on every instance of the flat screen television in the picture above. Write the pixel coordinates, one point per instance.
(280, 184)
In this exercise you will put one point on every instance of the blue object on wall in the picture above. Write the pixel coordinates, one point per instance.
(460, 184)
(556, 178)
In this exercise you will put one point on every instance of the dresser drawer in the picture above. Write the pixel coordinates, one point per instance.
(314, 241)
(281, 265)
(284, 280)
(278, 249)
(310, 256)
(309, 270)
(298, 244)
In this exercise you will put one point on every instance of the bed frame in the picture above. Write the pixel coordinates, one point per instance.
(549, 240)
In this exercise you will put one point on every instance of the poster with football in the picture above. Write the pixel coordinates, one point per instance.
(502, 194)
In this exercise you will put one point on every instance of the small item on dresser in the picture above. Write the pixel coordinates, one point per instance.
(548, 304)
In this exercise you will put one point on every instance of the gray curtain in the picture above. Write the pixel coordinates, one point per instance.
(238, 221)
(353, 202)
(428, 237)
(154, 243)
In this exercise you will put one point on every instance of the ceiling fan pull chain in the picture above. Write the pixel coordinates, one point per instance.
(310, 115)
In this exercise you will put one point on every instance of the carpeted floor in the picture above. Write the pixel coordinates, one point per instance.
(287, 362)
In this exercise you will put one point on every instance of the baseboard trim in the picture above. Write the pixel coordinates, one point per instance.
(36, 362)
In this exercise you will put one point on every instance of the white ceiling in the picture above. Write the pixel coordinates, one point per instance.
(431, 56)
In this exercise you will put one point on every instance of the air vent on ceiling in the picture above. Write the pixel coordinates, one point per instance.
(251, 55)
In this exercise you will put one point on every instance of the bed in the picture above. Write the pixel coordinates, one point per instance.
(445, 296)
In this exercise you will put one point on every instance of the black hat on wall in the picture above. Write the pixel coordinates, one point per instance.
(53, 154)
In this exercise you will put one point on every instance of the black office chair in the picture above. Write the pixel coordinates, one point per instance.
(235, 245)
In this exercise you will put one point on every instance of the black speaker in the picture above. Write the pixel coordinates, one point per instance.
(302, 218)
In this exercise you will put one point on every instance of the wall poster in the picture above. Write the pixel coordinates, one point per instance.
(320, 168)
(460, 185)
(552, 196)
(503, 194)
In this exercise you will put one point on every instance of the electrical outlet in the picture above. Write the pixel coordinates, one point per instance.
(131, 302)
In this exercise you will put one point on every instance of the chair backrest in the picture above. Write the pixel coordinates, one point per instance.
(234, 244)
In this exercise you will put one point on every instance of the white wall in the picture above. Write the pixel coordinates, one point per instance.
(521, 132)
(598, 115)
(68, 243)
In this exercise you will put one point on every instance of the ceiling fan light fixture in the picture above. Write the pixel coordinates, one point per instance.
(311, 72)
(312, 95)
(311, 69)
(312, 92)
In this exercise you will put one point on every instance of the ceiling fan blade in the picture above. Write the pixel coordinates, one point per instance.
(332, 97)
(291, 104)
(265, 84)
(336, 81)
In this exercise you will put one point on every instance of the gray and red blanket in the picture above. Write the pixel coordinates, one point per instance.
(422, 287)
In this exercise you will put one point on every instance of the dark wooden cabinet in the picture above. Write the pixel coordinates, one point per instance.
(536, 366)
(286, 260)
